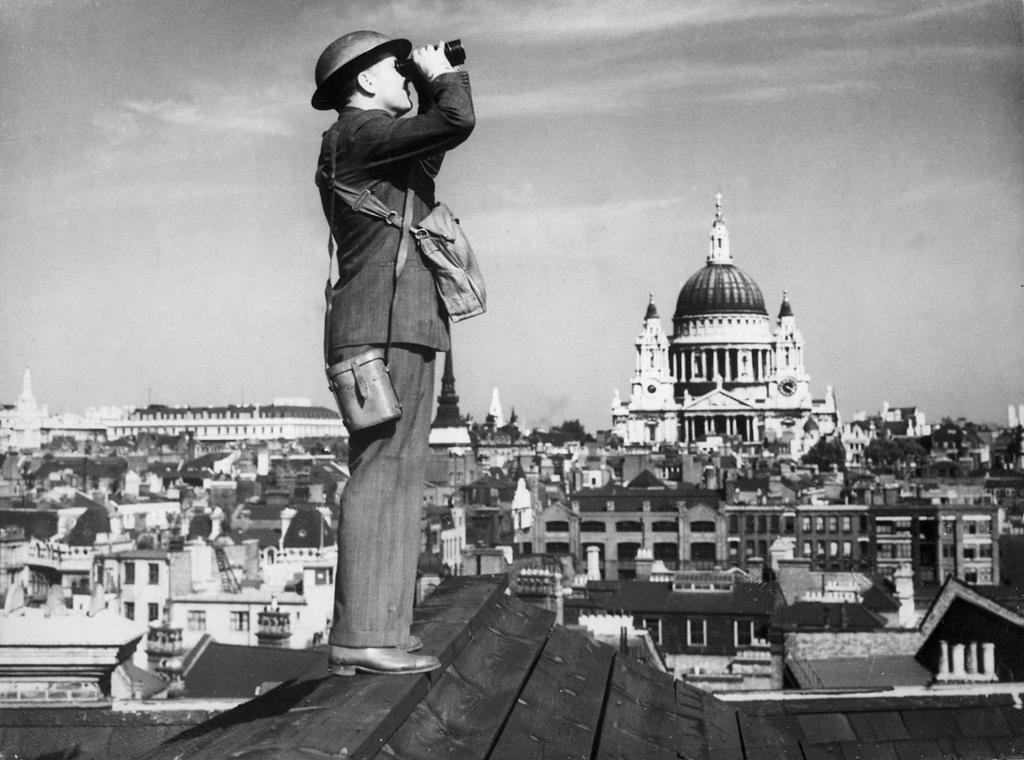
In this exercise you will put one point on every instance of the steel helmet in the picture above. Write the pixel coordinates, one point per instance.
(346, 57)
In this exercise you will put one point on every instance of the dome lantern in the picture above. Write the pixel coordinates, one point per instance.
(719, 251)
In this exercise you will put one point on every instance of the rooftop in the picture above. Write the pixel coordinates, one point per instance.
(515, 685)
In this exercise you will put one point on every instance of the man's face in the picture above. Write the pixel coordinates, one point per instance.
(392, 88)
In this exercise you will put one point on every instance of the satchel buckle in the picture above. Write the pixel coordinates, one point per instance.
(419, 233)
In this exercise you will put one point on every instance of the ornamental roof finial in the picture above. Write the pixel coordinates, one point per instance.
(718, 205)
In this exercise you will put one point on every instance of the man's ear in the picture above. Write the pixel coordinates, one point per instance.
(366, 82)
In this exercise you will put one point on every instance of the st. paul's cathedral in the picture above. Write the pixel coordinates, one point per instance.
(727, 370)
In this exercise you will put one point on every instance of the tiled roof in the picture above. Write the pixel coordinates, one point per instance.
(894, 724)
(513, 686)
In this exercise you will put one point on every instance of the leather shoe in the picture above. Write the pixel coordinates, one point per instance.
(346, 661)
(414, 644)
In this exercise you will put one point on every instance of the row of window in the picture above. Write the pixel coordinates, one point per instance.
(152, 611)
(239, 620)
(697, 631)
(667, 551)
(768, 524)
(629, 526)
(153, 569)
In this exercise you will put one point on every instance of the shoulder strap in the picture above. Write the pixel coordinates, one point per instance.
(364, 201)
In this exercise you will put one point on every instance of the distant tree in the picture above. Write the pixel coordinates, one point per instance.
(886, 452)
(574, 430)
(825, 453)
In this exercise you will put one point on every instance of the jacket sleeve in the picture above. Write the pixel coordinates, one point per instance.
(380, 139)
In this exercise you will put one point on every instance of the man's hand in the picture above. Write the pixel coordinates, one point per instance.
(431, 61)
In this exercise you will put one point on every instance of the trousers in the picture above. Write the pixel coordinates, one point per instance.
(381, 508)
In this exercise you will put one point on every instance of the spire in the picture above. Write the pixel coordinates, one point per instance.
(447, 401)
(785, 310)
(652, 310)
(495, 413)
(719, 250)
(26, 386)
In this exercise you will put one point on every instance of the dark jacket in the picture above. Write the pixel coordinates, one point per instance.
(376, 149)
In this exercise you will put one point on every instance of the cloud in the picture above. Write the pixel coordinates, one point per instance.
(227, 115)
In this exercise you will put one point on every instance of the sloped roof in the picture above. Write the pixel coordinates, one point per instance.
(513, 685)
(820, 615)
(517, 687)
(644, 596)
(93, 521)
(877, 671)
(228, 670)
(308, 530)
(646, 479)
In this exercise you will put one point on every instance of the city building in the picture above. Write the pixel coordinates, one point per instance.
(285, 418)
(725, 371)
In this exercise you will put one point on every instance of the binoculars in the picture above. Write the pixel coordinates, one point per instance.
(453, 51)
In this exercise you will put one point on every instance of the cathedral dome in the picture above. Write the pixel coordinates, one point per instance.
(719, 288)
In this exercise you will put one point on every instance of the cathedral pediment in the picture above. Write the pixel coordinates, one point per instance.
(717, 400)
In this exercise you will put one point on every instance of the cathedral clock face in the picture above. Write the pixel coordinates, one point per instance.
(652, 389)
(787, 386)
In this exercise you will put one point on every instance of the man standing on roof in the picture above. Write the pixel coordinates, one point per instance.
(374, 148)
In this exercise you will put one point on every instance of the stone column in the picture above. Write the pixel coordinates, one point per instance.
(988, 659)
(958, 661)
(971, 659)
(943, 660)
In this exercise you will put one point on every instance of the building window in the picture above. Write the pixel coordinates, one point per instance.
(702, 526)
(819, 524)
(788, 524)
(847, 524)
(696, 632)
(805, 524)
(323, 576)
(750, 524)
(702, 552)
(664, 526)
(556, 526)
(197, 620)
(628, 526)
(154, 574)
(773, 523)
(847, 549)
(627, 550)
(556, 547)
(154, 611)
(833, 524)
(129, 573)
(833, 548)
(653, 626)
(734, 524)
(240, 621)
(592, 526)
(743, 632)
(667, 552)
(762, 523)
(129, 610)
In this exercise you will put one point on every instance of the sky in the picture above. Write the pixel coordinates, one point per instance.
(162, 241)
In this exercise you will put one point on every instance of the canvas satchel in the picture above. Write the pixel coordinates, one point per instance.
(448, 254)
(443, 245)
